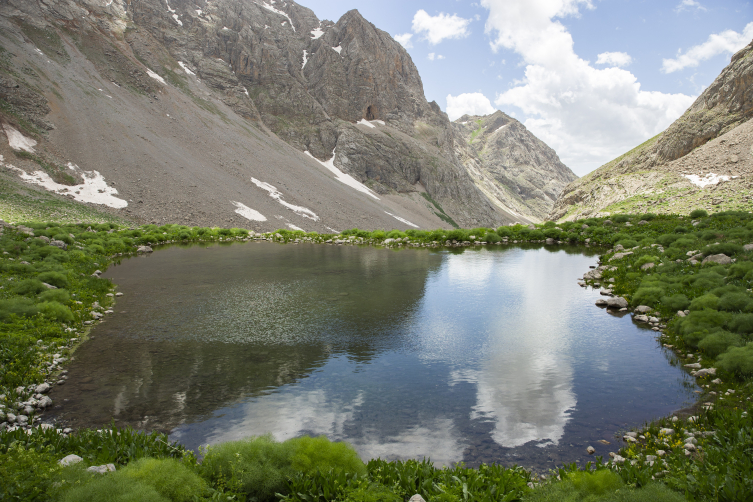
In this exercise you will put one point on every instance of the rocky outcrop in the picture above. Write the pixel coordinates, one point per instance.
(703, 160)
(513, 166)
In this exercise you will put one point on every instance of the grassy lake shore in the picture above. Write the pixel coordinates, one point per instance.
(690, 276)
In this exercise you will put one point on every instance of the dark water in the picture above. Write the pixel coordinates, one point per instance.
(481, 355)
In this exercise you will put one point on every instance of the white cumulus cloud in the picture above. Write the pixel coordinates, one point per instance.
(728, 42)
(614, 58)
(472, 103)
(439, 27)
(689, 4)
(588, 115)
(433, 56)
(404, 40)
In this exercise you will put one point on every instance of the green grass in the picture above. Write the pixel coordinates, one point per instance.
(35, 322)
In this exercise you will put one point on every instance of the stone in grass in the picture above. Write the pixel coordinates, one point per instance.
(617, 302)
(716, 381)
(642, 309)
(42, 388)
(416, 498)
(748, 247)
(101, 469)
(70, 460)
(694, 366)
(706, 371)
(721, 259)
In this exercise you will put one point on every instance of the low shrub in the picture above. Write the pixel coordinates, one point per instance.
(29, 287)
(321, 454)
(675, 302)
(27, 475)
(698, 213)
(647, 296)
(733, 302)
(718, 342)
(113, 488)
(258, 467)
(22, 307)
(628, 243)
(742, 324)
(57, 311)
(707, 301)
(54, 278)
(727, 248)
(738, 360)
(55, 295)
(168, 476)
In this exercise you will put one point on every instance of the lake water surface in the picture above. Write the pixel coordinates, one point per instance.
(474, 355)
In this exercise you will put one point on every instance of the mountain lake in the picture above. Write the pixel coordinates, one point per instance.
(483, 354)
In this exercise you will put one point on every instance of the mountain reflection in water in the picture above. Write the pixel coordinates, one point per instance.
(477, 355)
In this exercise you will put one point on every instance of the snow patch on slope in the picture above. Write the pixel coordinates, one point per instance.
(316, 33)
(293, 227)
(366, 123)
(276, 195)
(305, 58)
(342, 177)
(709, 179)
(18, 141)
(172, 11)
(338, 49)
(276, 11)
(402, 219)
(94, 189)
(247, 212)
(155, 76)
(185, 68)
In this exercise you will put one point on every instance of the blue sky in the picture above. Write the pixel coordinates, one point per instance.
(539, 61)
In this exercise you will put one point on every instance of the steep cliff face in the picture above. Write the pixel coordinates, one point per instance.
(510, 164)
(238, 75)
(702, 160)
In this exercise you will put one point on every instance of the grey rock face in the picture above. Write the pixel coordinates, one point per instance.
(519, 169)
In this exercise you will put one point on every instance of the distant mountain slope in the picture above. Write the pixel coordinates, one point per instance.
(512, 166)
(231, 112)
(703, 160)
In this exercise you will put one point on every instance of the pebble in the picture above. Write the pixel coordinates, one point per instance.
(591, 450)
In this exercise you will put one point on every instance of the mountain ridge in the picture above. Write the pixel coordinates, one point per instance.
(203, 92)
(702, 160)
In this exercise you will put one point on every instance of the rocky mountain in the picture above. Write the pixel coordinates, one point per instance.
(510, 165)
(703, 160)
(242, 112)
